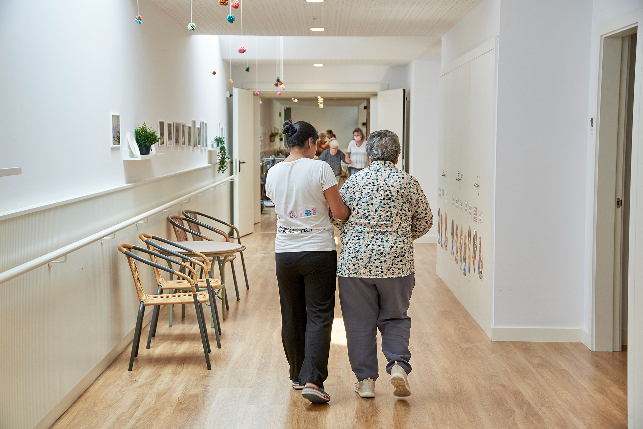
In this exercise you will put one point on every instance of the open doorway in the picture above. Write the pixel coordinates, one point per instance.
(613, 163)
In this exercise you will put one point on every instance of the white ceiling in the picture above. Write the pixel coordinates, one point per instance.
(339, 17)
(357, 32)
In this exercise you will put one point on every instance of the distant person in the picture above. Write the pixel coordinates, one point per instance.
(333, 156)
(356, 156)
(330, 136)
(322, 144)
(303, 190)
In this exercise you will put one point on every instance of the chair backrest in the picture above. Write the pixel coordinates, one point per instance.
(180, 234)
(128, 251)
(156, 244)
(193, 226)
(191, 214)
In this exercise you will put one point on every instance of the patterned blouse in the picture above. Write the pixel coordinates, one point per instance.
(388, 211)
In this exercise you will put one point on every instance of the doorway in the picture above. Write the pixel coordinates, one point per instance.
(613, 163)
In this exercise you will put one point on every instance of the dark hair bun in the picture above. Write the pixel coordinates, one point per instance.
(289, 129)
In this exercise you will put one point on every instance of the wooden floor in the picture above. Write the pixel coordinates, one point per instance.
(460, 379)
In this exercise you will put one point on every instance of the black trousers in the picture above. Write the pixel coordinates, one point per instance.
(307, 294)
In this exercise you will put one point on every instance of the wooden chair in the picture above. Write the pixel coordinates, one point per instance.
(214, 287)
(195, 296)
(181, 231)
(193, 214)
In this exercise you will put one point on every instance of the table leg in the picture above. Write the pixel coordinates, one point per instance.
(224, 295)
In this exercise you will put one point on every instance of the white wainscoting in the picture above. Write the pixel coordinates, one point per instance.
(61, 325)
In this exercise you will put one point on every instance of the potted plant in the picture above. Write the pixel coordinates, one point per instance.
(273, 135)
(223, 157)
(145, 138)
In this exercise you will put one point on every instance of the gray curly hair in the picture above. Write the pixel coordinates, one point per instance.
(383, 145)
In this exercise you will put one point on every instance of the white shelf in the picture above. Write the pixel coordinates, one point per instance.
(144, 157)
(13, 171)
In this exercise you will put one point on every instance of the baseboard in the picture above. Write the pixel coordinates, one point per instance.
(587, 339)
(537, 335)
(80, 388)
(427, 239)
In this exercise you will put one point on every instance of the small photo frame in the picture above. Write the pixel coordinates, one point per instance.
(170, 133)
(193, 133)
(189, 135)
(116, 130)
(177, 134)
(198, 136)
(161, 133)
(183, 131)
(205, 135)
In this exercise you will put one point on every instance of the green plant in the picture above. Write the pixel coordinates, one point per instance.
(222, 154)
(145, 136)
(274, 134)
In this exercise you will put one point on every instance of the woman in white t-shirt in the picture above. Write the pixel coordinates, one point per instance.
(303, 190)
(356, 156)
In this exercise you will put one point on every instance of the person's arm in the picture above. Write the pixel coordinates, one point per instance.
(422, 218)
(337, 207)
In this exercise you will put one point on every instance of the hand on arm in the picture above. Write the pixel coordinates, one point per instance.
(348, 158)
(336, 204)
(422, 218)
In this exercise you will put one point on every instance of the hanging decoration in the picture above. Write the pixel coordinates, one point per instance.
(230, 80)
(235, 4)
(480, 257)
(230, 18)
(475, 250)
(242, 50)
(248, 69)
(230, 43)
(214, 73)
(138, 18)
(191, 25)
(279, 93)
(256, 92)
(256, 67)
(223, 2)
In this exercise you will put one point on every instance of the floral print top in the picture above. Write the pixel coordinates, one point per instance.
(388, 211)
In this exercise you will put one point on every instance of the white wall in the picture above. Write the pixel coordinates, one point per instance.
(540, 159)
(63, 78)
(342, 120)
(424, 126)
(60, 81)
(480, 25)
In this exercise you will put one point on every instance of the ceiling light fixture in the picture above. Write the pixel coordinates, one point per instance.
(317, 29)
(318, 65)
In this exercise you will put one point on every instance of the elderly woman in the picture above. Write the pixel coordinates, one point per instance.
(333, 157)
(376, 273)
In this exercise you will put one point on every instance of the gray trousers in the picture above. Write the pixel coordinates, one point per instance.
(371, 304)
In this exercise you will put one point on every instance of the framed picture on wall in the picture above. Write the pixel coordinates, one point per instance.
(198, 136)
(169, 134)
(189, 135)
(183, 131)
(193, 133)
(205, 135)
(177, 134)
(161, 133)
(116, 130)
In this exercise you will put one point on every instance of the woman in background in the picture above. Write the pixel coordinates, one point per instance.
(333, 157)
(322, 145)
(303, 190)
(356, 156)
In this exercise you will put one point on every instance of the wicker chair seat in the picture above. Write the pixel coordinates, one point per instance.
(176, 298)
(184, 284)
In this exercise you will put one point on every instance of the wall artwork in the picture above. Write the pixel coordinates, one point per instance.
(177, 134)
(189, 135)
(183, 131)
(439, 228)
(161, 133)
(116, 130)
(475, 250)
(480, 257)
(469, 252)
(452, 240)
(457, 253)
(198, 136)
(445, 241)
(194, 140)
(170, 133)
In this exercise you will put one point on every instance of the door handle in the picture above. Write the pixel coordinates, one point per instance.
(241, 162)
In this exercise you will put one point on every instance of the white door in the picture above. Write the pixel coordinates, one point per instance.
(390, 116)
(244, 163)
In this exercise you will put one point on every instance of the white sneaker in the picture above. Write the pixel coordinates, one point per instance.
(366, 388)
(399, 381)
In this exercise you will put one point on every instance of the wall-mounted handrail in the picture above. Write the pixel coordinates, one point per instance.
(5, 276)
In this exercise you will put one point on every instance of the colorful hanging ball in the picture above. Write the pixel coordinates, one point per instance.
(248, 68)
(278, 80)
(242, 49)
(260, 102)
(235, 4)
(230, 19)
(256, 92)
(279, 93)
(192, 26)
(214, 73)
(230, 80)
(283, 87)
(276, 84)
(138, 19)
(223, 2)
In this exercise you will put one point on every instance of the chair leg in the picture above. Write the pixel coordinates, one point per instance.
(225, 293)
(140, 329)
(155, 318)
(202, 316)
(245, 273)
(214, 314)
(234, 277)
(204, 333)
(139, 322)
(182, 311)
